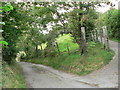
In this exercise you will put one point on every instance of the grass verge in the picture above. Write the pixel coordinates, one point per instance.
(74, 63)
(12, 76)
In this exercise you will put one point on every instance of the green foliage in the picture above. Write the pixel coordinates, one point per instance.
(64, 40)
(116, 40)
(107, 19)
(50, 52)
(78, 18)
(91, 44)
(45, 12)
(31, 41)
(4, 42)
(12, 30)
(7, 8)
(114, 28)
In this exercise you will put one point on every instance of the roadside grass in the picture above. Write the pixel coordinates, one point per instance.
(116, 40)
(12, 76)
(74, 63)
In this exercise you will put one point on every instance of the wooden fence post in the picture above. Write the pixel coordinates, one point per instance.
(92, 36)
(105, 36)
(96, 32)
(95, 35)
(99, 40)
(83, 39)
(83, 33)
(101, 35)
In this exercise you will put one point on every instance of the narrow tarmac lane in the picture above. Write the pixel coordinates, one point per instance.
(40, 76)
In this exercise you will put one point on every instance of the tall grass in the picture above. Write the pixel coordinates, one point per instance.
(12, 76)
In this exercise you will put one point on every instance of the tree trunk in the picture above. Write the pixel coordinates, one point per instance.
(41, 47)
(36, 49)
(82, 47)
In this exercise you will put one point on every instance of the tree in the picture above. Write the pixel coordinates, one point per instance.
(15, 23)
(113, 15)
(107, 19)
(82, 15)
(70, 21)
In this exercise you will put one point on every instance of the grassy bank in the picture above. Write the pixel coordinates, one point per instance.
(12, 76)
(96, 57)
